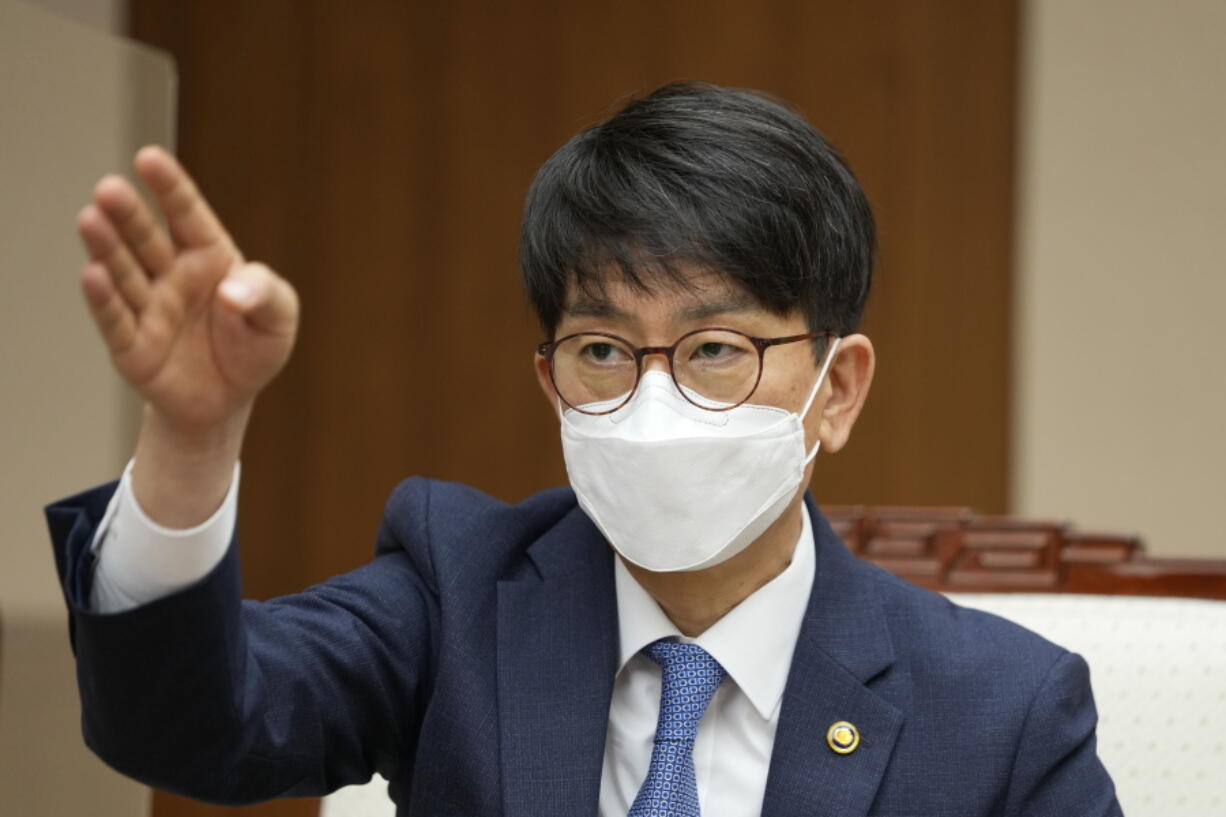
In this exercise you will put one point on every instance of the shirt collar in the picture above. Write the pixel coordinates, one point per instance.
(753, 642)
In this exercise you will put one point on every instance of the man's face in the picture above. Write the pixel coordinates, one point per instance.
(702, 299)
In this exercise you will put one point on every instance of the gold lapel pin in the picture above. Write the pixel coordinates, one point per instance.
(843, 737)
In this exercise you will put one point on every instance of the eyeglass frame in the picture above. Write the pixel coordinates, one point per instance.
(546, 350)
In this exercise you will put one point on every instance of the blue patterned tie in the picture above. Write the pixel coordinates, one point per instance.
(689, 679)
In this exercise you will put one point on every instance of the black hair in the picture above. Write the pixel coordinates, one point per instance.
(728, 179)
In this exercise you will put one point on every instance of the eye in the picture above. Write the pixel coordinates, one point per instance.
(601, 352)
(713, 352)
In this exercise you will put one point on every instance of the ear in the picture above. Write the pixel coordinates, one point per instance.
(545, 381)
(847, 382)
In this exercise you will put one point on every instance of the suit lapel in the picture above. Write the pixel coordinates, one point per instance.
(844, 643)
(557, 655)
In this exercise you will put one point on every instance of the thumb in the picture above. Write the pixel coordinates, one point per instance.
(264, 299)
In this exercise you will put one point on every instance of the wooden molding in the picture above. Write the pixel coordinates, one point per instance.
(951, 549)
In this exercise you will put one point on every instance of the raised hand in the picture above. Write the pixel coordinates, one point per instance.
(191, 326)
(194, 328)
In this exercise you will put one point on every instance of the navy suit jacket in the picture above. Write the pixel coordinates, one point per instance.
(471, 663)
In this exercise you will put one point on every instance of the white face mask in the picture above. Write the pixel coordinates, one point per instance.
(676, 487)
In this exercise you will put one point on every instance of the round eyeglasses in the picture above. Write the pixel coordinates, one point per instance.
(715, 369)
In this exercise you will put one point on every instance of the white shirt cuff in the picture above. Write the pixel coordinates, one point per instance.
(139, 561)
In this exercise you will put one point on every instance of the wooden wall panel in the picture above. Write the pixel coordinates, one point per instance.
(377, 154)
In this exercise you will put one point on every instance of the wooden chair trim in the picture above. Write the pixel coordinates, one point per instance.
(951, 549)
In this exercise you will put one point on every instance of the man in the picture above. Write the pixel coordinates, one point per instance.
(680, 633)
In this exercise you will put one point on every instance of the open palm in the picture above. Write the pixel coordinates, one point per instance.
(195, 329)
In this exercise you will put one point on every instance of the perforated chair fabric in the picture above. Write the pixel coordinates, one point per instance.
(367, 800)
(1158, 668)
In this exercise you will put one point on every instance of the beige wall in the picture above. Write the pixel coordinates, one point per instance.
(1120, 375)
(74, 102)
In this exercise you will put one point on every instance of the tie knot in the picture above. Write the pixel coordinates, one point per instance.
(673, 654)
(689, 677)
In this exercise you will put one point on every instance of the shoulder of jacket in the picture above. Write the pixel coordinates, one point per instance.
(933, 635)
(437, 520)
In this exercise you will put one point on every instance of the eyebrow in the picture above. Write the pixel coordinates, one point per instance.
(593, 308)
(724, 306)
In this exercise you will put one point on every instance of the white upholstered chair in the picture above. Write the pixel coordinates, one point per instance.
(367, 800)
(1152, 631)
(1158, 667)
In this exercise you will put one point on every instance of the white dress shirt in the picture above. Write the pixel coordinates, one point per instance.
(140, 561)
(753, 642)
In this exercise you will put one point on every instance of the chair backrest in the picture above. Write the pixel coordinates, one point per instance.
(1158, 667)
(1158, 664)
(365, 800)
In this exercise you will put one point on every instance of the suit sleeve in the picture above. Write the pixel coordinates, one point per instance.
(233, 702)
(1057, 771)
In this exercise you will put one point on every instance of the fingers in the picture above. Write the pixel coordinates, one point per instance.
(263, 298)
(127, 211)
(111, 313)
(105, 247)
(191, 220)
